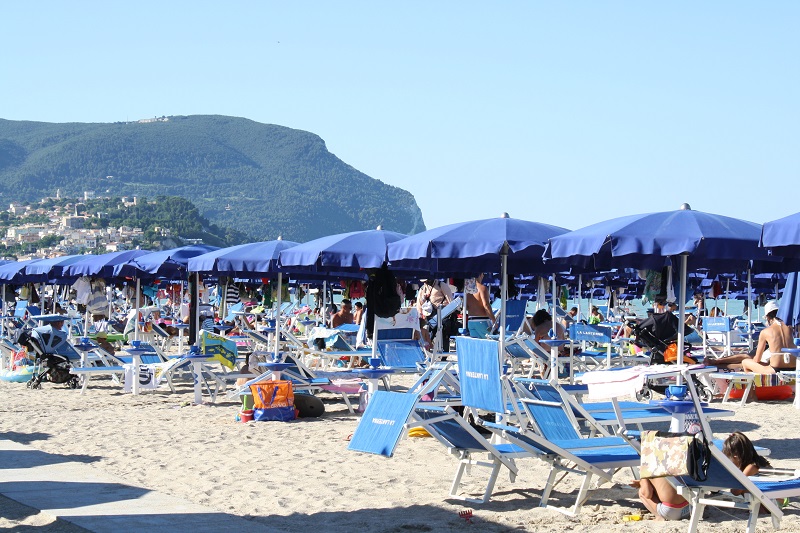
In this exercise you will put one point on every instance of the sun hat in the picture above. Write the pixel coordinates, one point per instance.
(770, 306)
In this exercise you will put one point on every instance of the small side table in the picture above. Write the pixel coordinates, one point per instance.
(373, 377)
(277, 368)
(554, 345)
(136, 360)
(679, 409)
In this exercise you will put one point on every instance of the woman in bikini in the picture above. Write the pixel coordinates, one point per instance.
(769, 357)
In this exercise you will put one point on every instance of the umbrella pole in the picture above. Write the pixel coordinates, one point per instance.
(727, 294)
(278, 319)
(554, 348)
(682, 311)
(749, 310)
(580, 296)
(136, 316)
(324, 302)
(503, 297)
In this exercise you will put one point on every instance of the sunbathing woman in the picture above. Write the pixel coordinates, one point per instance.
(661, 498)
(769, 358)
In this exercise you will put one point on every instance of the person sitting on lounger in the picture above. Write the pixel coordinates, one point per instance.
(344, 315)
(661, 498)
(771, 341)
(541, 326)
(358, 312)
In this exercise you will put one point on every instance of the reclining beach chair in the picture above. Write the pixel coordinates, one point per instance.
(390, 414)
(483, 385)
(550, 433)
(723, 475)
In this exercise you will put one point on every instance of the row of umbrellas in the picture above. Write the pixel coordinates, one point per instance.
(683, 238)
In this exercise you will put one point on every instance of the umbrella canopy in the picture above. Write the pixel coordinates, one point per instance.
(476, 246)
(166, 263)
(13, 272)
(651, 239)
(782, 236)
(48, 269)
(789, 309)
(101, 266)
(243, 261)
(644, 241)
(342, 252)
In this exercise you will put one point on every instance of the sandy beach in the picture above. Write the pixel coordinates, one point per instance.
(299, 475)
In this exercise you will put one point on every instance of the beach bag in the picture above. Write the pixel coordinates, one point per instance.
(674, 454)
(273, 400)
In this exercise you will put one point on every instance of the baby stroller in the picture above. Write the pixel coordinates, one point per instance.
(658, 334)
(52, 353)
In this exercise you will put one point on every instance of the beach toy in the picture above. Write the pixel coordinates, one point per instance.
(631, 518)
(418, 432)
(466, 515)
(246, 415)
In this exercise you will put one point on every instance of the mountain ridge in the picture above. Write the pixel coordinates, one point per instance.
(276, 180)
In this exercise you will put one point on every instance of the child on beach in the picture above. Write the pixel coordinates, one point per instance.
(663, 500)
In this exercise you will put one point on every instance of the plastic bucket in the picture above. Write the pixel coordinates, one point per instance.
(246, 415)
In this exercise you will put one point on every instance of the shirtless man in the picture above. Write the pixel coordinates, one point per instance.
(344, 315)
(771, 341)
(478, 305)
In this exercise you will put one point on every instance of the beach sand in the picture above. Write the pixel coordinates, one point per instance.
(299, 475)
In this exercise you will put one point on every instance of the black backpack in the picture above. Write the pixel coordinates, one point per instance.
(384, 298)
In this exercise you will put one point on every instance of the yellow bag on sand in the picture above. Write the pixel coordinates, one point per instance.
(418, 432)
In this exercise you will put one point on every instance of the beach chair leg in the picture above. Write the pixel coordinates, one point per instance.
(462, 466)
(347, 403)
(582, 494)
(755, 505)
(496, 466)
(548, 488)
(85, 384)
(697, 510)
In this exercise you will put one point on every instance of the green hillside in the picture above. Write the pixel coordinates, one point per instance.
(261, 179)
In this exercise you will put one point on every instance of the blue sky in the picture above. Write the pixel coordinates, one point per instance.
(561, 112)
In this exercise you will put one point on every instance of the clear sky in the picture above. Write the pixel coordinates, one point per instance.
(561, 112)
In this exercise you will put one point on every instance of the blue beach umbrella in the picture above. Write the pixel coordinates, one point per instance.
(497, 245)
(170, 263)
(653, 240)
(251, 260)
(48, 270)
(243, 261)
(782, 237)
(12, 272)
(789, 309)
(476, 246)
(352, 251)
(102, 265)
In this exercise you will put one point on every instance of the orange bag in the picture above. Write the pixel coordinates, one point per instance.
(273, 400)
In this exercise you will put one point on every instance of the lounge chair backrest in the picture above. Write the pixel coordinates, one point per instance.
(717, 324)
(551, 420)
(451, 431)
(479, 373)
(401, 354)
(589, 333)
(515, 314)
(21, 307)
(390, 334)
(383, 423)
